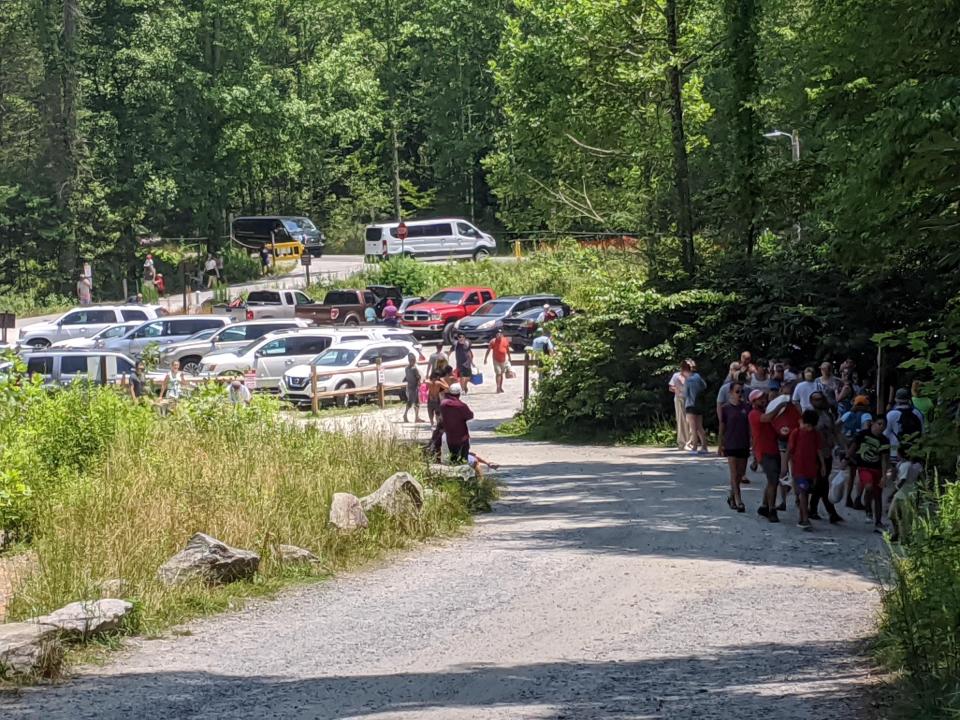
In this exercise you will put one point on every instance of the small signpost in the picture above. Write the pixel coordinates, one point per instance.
(306, 259)
(402, 234)
(381, 395)
(8, 321)
(250, 380)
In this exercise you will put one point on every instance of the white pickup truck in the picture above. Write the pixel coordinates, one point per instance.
(265, 305)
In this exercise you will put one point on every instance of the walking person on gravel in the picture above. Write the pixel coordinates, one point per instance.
(694, 395)
(806, 462)
(676, 389)
(464, 357)
(735, 441)
(412, 378)
(871, 454)
(500, 347)
(766, 451)
(456, 414)
(829, 439)
(437, 386)
(436, 359)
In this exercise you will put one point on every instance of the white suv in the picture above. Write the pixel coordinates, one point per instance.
(347, 366)
(84, 322)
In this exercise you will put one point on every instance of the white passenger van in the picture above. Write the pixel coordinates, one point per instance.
(426, 239)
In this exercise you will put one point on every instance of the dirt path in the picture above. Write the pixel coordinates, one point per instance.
(608, 583)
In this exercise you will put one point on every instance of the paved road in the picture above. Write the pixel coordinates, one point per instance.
(330, 266)
(607, 583)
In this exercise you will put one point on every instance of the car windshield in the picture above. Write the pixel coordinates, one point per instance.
(249, 347)
(204, 334)
(450, 297)
(335, 358)
(112, 332)
(495, 308)
(298, 224)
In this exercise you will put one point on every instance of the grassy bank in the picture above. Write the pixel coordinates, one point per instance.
(121, 505)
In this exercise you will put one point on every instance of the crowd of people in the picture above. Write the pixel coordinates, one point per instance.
(811, 433)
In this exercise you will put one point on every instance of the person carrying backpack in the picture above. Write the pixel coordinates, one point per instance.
(905, 424)
(856, 418)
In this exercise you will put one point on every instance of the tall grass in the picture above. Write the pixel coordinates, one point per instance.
(243, 475)
(920, 622)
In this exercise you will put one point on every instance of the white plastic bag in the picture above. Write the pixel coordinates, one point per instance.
(838, 486)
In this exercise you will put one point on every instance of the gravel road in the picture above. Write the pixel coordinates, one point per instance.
(607, 583)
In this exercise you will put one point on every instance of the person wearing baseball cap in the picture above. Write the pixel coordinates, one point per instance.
(455, 415)
(766, 451)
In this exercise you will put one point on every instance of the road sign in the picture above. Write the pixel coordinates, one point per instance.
(306, 259)
(381, 378)
(250, 379)
(402, 230)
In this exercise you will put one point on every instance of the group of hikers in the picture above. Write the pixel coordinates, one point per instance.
(811, 433)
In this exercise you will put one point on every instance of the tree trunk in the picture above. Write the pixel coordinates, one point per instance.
(396, 168)
(680, 165)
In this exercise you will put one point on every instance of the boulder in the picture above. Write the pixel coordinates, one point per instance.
(86, 618)
(461, 473)
(115, 588)
(207, 558)
(347, 513)
(399, 493)
(29, 648)
(294, 554)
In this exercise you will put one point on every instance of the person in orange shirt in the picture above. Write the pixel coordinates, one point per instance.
(500, 347)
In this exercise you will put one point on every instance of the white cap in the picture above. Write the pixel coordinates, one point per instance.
(453, 390)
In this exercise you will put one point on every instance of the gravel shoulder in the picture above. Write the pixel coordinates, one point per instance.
(607, 583)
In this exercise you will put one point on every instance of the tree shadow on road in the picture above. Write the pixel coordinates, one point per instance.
(770, 681)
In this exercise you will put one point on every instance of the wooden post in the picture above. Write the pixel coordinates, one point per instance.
(314, 400)
(526, 378)
(381, 398)
(183, 279)
(103, 371)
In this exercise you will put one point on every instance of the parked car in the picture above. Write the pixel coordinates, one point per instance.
(265, 305)
(190, 352)
(347, 307)
(97, 339)
(483, 324)
(61, 367)
(84, 322)
(442, 238)
(164, 331)
(257, 231)
(522, 328)
(335, 363)
(408, 301)
(436, 317)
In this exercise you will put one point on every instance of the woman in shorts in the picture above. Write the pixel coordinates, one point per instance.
(735, 441)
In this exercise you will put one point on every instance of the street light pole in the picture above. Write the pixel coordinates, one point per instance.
(794, 137)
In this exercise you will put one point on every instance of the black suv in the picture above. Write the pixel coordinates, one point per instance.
(255, 232)
(492, 315)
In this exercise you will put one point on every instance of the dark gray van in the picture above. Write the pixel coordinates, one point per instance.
(256, 231)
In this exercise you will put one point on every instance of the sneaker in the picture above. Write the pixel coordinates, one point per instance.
(772, 517)
(850, 504)
(762, 511)
(858, 505)
(869, 513)
(782, 507)
(834, 519)
(814, 516)
(879, 528)
(805, 525)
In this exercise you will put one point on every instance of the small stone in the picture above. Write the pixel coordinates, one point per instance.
(294, 554)
(399, 493)
(28, 648)
(87, 618)
(207, 558)
(347, 513)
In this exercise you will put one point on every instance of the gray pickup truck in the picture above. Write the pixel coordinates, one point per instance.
(265, 305)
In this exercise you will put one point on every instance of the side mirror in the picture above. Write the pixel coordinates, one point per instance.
(363, 363)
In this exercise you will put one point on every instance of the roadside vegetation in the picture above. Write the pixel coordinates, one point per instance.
(101, 489)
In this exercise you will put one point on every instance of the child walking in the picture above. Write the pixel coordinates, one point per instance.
(806, 462)
(412, 377)
(870, 452)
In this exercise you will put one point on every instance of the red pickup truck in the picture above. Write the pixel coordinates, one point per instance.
(434, 318)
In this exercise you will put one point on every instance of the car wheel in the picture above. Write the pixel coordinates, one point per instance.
(343, 401)
(480, 254)
(190, 365)
(448, 332)
(39, 343)
(352, 321)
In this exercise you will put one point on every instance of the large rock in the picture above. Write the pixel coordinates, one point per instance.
(207, 558)
(399, 493)
(347, 513)
(461, 473)
(29, 648)
(293, 554)
(85, 618)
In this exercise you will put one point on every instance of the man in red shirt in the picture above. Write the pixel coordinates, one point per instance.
(455, 415)
(803, 449)
(767, 452)
(500, 347)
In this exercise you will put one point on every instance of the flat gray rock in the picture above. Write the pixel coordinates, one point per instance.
(86, 618)
(347, 513)
(399, 493)
(462, 473)
(207, 558)
(294, 554)
(28, 648)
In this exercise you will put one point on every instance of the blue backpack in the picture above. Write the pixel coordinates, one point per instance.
(853, 423)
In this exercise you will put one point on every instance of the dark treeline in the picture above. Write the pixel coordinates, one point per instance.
(120, 118)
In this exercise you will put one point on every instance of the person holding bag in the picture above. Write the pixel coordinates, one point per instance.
(500, 347)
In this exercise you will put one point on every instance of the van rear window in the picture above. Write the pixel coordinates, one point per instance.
(374, 234)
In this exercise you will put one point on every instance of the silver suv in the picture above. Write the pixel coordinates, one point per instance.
(164, 331)
(62, 367)
(84, 322)
(191, 351)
